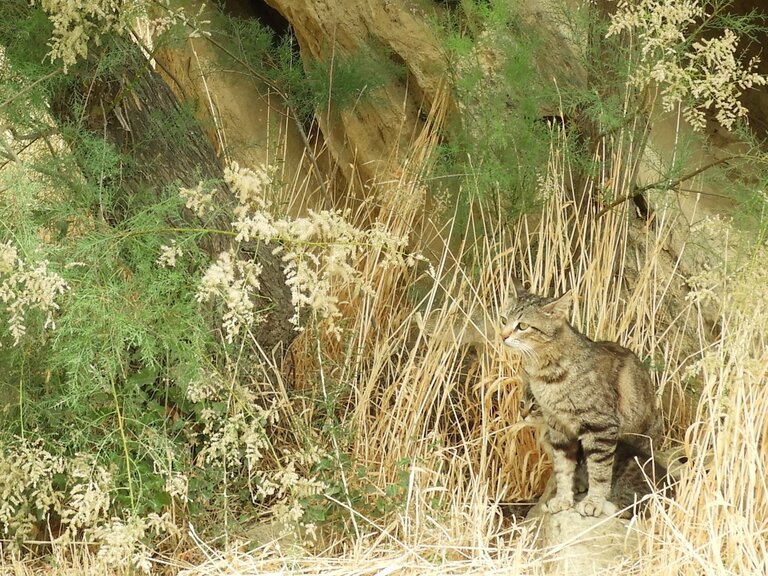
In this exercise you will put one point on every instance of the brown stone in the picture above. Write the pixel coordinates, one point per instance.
(371, 139)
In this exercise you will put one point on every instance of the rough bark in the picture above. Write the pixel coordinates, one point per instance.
(134, 110)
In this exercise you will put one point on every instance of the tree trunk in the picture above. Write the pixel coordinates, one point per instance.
(136, 112)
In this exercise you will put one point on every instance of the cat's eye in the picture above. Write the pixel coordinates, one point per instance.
(522, 326)
(504, 320)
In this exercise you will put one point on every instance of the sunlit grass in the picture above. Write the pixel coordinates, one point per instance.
(450, 410)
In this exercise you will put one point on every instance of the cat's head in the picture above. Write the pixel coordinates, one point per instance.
(529, 408)
(531, 322)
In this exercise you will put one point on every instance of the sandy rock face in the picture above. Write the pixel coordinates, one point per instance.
(243, 118)
(372, 137)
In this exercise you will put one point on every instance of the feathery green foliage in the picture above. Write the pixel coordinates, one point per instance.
(497, 145)
(136, 414)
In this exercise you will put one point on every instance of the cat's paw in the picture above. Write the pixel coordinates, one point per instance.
(596, 506)
(559, 503)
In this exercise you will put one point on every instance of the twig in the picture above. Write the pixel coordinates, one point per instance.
(28, 88)
(665, 184)
(150, 56)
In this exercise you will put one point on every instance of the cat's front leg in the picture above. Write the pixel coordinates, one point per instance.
(599, 449)
(564, 455)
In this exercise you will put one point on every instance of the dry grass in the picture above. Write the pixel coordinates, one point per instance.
(447, 414)
(451, 412)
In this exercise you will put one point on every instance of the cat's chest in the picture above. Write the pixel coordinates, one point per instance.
(562, 404)
(554, 377)
(560, 413)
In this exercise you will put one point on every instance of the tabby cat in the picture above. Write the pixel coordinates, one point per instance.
(588, 392)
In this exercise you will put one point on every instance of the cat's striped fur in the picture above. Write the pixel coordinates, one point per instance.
(589, 393)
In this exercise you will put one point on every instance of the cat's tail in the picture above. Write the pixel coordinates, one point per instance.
(636, 474)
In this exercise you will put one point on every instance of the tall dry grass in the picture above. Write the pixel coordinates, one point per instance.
(718, 523)
(447, 413)
(450, 411)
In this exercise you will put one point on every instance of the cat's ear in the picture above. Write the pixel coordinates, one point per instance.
(516, 289)
(559, 307)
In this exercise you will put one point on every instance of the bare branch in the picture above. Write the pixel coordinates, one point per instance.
(666, 184)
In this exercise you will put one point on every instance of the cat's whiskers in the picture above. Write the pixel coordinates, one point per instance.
(528, 352)
(523, 348)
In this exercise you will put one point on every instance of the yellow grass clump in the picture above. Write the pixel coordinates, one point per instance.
(440, 419)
